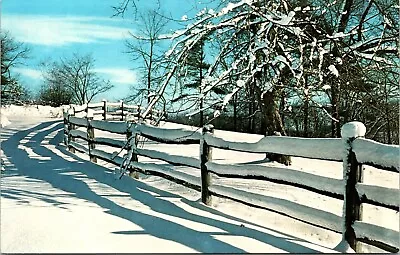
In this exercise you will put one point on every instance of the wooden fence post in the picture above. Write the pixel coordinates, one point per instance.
(150, 116)
(122, 110)
(352, 174)
(104, 109)
(66, 124)
(132, 145)
(90, 136)
(71, 127)
(138, 113)
(205, 156)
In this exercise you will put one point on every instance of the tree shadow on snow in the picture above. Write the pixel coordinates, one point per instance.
(60, 174)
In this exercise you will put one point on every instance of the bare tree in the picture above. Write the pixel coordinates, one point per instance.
(285, 45)
(77, 76)
(330, 58)
(13, 54)
(144, 46)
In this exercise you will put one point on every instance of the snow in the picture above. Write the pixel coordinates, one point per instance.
(240, 83)
(230, 7)
(79, 147)
(175, 135)
(384, 195)
(116, 127)
(353, 129)
(180, 160)
(280, 173)
(286, 19)
(318, 148)
(4, 121)
(78, 121)
(333, 70)
(298, 211)
(78, 206)
(79, 133)
(95, 105)
(344, 247)
(373, 57)
(217, 113)
(195, 181)
(368, 151)
(374, 232)
(32, 111)
(114, 142)
(113, 157)
(114, 104)
(326, 87)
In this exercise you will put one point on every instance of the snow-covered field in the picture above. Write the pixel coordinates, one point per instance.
(55, 201)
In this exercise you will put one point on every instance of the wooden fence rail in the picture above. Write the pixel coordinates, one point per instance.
(114, 111)
(353, 150)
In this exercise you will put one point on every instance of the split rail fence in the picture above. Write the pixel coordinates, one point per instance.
(352, 149)
(114, 111)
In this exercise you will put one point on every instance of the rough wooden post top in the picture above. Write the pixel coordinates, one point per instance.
(353, 129)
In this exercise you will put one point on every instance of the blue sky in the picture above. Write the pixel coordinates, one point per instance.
(58, 28)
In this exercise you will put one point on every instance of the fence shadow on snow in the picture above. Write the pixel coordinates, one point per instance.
(61, 174)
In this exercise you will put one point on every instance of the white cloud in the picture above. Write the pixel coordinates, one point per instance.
(115, 75)
(118, 75)
(59, 31)
(29, 72)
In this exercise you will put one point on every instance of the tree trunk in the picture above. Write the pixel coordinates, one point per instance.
(282, 106)
(306, 108)
(251, 110)
(235, 112)
(149, 69)
(201, 85)
(273, 125)
(335, 111)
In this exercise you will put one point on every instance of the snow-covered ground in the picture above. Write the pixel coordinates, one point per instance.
(56, 201)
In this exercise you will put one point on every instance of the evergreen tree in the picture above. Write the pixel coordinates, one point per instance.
(196, 68)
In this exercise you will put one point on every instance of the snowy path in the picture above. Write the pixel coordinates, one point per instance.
(53, 201)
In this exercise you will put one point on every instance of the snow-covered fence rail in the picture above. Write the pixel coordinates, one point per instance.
(114, 111)
(316, 148)
(175, 136)
(348, 149)
(352, 149)
(168, 136)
